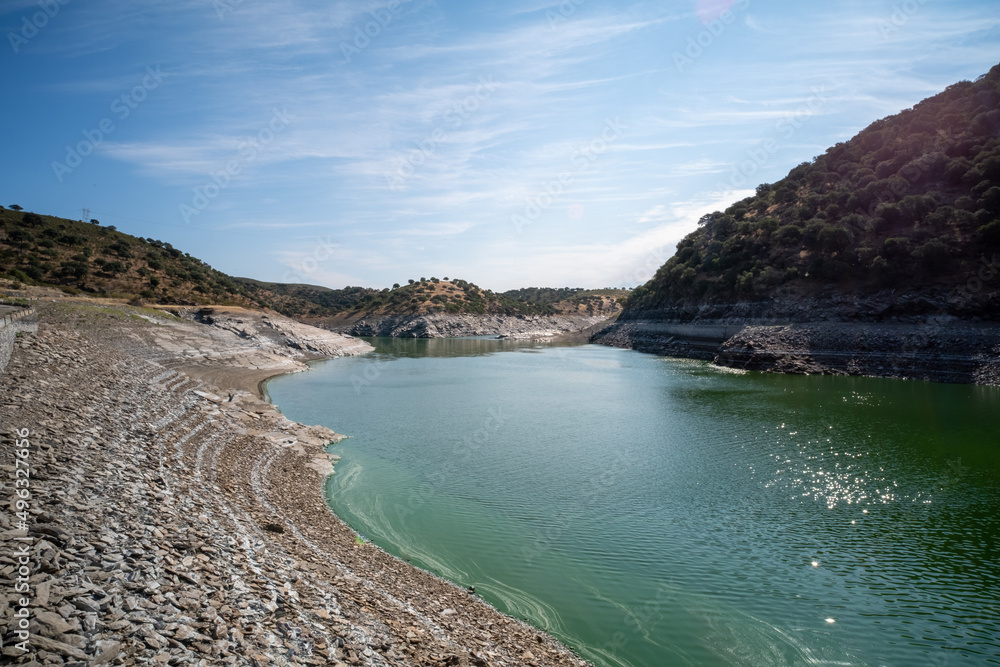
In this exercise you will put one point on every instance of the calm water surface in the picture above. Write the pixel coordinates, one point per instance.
(652, 511)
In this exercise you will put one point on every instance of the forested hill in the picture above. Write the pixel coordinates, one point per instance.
(448, 296)
(903, 219)
(89, 259)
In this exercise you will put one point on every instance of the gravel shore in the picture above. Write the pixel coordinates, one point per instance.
(175, 518)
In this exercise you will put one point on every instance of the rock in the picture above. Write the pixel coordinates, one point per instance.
(52, 624)
(107, 650)
(157, 542)
(87, 605)
(61, 648)
(947, 351)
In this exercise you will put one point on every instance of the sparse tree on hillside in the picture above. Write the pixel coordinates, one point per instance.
(20, 237)
(15, 207)
(114, 268)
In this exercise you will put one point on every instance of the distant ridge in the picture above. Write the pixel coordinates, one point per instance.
(88, 258)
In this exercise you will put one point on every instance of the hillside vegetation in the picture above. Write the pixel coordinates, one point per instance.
(90, 259)
(912, 202)
(87, 258)
(455, 296)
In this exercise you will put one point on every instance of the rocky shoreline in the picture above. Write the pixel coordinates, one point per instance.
(452, 326)
(939, 351)
(175, 518)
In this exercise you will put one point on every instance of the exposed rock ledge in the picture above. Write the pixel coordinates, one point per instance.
(444, 326)
(945, 351)
(176, 522)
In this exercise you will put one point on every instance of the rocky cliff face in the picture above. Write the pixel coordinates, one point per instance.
(940, 350)
(443, 326)
(976, 300)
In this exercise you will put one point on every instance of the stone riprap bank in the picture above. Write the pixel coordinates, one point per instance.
(13, 323)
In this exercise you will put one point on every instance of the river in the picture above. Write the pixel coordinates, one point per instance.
(655, 511)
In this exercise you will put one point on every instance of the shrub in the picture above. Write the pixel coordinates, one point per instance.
(891, 214)
(897, 248)
(75, 269)
(744, 283)
(990, 233)
(835, 239)
(788, 234)
(991, 200)
(71, 239)
(768, 224)
(932, 254)
(20, 237)
(965, 203)
(880, 269)
(810, 235)
(114, 268)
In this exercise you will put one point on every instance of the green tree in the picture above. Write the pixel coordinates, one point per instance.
(896, 248)
(990, 234)
(835, 239)
(114, 268)
(75, 269)
(20, 237)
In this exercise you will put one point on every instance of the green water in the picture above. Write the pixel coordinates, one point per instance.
(652, 511)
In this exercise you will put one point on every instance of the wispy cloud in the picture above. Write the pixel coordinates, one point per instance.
(401, 156)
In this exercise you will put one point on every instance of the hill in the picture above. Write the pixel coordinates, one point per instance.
(440, 296)
(87, 258)
(605, 301)
(309, 300)
(403, 310)
(92, 259)
(899, 221)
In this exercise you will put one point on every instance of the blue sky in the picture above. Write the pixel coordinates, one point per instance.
(523, 143)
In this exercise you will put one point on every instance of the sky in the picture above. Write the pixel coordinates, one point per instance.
(512, 144)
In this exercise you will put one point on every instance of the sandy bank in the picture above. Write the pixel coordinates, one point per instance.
(176, 518)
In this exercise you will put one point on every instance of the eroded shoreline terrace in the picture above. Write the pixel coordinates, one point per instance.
(176, 518)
